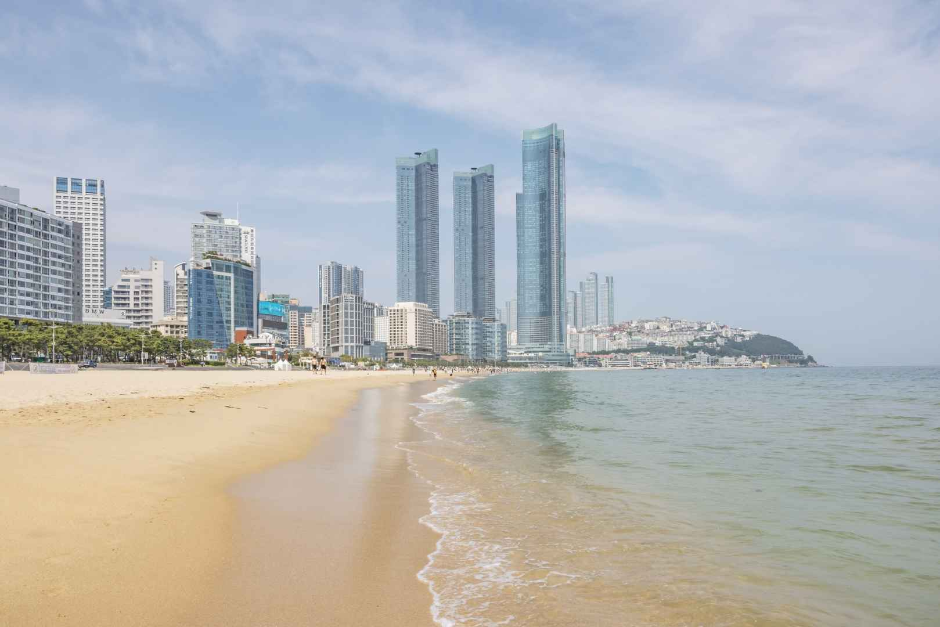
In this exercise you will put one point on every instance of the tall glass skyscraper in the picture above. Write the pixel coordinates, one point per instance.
(475, 242)
(589, 297)
(418, 230)
(540, 247)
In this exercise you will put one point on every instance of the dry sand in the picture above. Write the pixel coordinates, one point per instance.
(119, 511)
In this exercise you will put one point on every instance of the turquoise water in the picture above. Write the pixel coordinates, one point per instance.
(700, 497)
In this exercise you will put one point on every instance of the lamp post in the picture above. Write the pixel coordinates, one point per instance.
(141, 348)
(53, 340)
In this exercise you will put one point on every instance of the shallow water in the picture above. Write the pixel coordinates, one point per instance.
(712, 497)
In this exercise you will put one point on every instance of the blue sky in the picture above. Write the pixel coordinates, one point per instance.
(772, 165)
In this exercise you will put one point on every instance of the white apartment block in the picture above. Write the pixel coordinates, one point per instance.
(380, 328)
(181, 291)
(139, 293)
(83, 201)
(410, 326)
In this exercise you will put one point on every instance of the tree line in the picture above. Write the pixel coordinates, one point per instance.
(32, 340)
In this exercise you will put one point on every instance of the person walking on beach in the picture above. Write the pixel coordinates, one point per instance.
(434, 372)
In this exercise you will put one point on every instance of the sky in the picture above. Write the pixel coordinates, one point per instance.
(772, 165)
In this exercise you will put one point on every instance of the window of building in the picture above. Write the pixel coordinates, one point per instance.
(76, 186)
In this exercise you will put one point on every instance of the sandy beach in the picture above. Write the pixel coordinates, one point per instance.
(163, 498)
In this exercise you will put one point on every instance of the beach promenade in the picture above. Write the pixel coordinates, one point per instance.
(163, 498)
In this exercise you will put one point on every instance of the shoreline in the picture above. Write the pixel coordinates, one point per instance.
(119, 511)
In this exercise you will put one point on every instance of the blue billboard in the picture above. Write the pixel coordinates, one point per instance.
(270, 308)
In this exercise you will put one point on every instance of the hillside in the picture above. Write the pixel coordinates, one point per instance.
(767, 345)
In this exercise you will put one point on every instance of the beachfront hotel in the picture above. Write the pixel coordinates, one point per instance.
(475, 242)
(40, 264)
(83, 201)
(418, 230)
(540, 249)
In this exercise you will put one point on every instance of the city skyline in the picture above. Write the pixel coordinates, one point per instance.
(776, 209)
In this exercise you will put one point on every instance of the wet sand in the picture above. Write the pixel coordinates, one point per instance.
(334, 538)
(128, 511)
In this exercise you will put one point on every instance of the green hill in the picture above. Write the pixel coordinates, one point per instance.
(766, 345)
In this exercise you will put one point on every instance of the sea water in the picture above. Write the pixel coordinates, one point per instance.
(695, 497)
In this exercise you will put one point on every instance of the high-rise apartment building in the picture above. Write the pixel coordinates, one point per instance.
(222, 299)
(605, 302)
(346, 325)
(40, 265)
(540, 248)
(572, 309)
(336, 279)
(589, 298)
(139, 293)
(475, 242)
(418, 230)
(224, 237)
(511, 315)
(169, 297)
(83, 201)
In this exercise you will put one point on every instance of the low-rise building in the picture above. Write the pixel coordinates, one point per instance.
(139, 293)
(172, 326)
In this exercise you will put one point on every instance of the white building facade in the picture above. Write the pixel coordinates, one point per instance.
(83, 201)
(139, 293)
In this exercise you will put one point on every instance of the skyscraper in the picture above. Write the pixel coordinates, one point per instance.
(418, 231)
(589, 297)
(605, 302)
(572, 308)
(83, 201)
(475, 242)
(540, 248)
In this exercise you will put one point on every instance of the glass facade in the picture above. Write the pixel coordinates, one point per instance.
(61, 184)
(475, 242)
(76, 186)
(475, 338)
(91, 186)
(540, 242)
(221, 300)
(418, 230)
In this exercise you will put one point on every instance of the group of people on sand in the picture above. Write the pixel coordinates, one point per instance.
(432, 371)
(319, 366)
